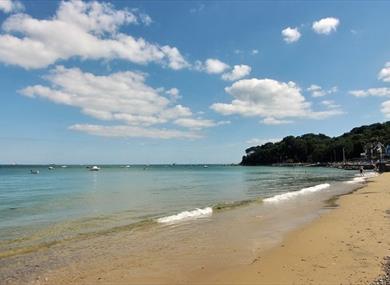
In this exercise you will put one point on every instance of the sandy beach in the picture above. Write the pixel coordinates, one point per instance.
(344, 243)
(344, 246)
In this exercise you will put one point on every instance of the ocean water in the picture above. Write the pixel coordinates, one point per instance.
(73, 203)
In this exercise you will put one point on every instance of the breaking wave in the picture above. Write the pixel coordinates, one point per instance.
(294, 194)
(362, 179)
(186, 215)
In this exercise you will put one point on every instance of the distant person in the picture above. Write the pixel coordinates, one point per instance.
(361, 170)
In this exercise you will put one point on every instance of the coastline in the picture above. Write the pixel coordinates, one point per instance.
(347, 245)
(255, 239)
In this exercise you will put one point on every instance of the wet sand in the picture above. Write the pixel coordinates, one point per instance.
(298, 243)
(344, 246)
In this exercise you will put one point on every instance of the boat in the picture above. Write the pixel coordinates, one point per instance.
(205, 166)
(64, 166)
(34, 171)
(127, 166)
(94, 168)
(51, 168)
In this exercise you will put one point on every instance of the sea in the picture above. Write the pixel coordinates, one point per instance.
(70, 201)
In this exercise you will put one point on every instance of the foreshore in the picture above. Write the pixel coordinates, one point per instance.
(267, 244)
(347, 245)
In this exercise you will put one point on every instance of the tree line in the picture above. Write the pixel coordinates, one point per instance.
(318, 148)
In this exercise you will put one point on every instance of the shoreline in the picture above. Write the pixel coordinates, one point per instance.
(247, 232)
(242, 246)
(346, 245)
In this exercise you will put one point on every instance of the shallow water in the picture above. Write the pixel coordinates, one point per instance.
(71, 203)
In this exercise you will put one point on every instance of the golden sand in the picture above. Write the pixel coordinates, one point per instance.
(344, 246)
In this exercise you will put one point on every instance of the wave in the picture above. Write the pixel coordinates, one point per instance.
(290, 195)
(362, 179)
(186, 215)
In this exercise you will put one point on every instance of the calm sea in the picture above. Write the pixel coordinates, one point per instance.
(72, 202)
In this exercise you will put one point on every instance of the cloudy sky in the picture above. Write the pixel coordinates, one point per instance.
(184, 82)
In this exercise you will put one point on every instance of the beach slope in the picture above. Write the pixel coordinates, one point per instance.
(344, 246)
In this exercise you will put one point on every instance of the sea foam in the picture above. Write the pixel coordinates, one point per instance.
(361, 179)
(290, 195)
(186, 215)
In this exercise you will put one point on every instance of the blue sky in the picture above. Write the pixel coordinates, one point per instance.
(185, 82)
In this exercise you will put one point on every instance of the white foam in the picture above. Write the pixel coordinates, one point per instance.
(362, 179)
(290, 195)
(187, 215)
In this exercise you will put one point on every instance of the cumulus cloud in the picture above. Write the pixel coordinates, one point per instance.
(326, 26)
(257, 141)
(375, 92)
(212, 66)
(10, 6)
(378, 92)
(88, 30)
(384, 73)
(238, 72)
(291, 35)
(120, 96)
(317, 91)
(385, 109)
(271, 100)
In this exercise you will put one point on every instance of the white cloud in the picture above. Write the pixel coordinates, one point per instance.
(9, 6)
(257, 141)
(238, 72)
(273, 121)
(330, 104)
(317, 91)
(378, 92)
(174, 93)
(326, 25)
(291, 35)
(198, 123)
(384, 73)
(123, 131)
(211, 66)
(386, 108)
(121, 96)
(269, 99)
(88, 30)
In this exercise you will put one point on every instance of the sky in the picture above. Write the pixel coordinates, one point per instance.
(185, 81)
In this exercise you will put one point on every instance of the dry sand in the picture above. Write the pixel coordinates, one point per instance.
(344, 246)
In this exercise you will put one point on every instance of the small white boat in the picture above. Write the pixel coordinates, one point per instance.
(205, 166)
(127, 166)
(64, 166)
(51, 168)
(34, 171)
(94, 168)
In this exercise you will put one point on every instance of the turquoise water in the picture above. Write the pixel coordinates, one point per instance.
(66, 203)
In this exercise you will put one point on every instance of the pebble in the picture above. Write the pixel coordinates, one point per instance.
(385, 278)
